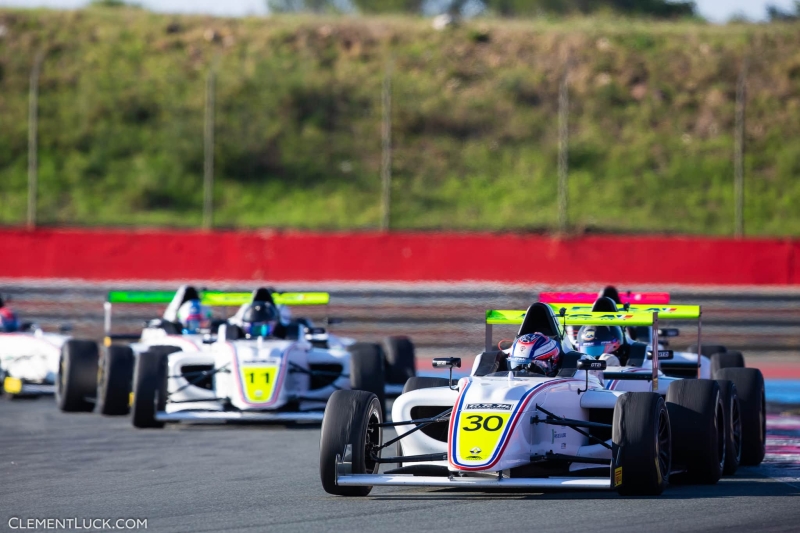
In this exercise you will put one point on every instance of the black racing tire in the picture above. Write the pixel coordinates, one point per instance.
(346, 422)
(401, 362)
(417, 383)
(753, 405)
(725, 360)
(116, 381)
(697, 415)
(708, 349)
(76, 383)
(733, 426)
(149, 388)
(367, 372)
(641, 444)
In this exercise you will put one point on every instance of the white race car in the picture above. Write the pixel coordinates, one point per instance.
(287, 378)
(29, 360)
(741, 389)
(507, 429)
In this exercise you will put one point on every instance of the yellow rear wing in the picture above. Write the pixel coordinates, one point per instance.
(667, 312)
(586, 318)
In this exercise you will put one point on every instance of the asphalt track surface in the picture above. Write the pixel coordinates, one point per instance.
(265, 478)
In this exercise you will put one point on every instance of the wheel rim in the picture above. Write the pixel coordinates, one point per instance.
(372, 441)
(736, 418)
(664, 444)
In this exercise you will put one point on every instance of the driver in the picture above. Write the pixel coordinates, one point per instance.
(601, 342)
(261, 319)
(194, 317)
(8, 319)
(536, 354)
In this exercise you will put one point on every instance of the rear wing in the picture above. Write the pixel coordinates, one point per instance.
(210, 298)
(671, 312)
(654, 298)
(574, 315)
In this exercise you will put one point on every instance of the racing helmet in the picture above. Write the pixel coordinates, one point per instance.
(8, 320)
(599, 340)
(193, 316)
(260, 319)
(536, 353)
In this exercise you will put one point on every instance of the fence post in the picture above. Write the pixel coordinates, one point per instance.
(208, 148)
(33, 138)
(738, 151)
(386, 143)
(563, 148)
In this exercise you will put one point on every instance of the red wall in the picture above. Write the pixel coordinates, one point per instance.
(286, 256)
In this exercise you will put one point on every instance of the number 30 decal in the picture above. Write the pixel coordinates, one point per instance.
(491, 423)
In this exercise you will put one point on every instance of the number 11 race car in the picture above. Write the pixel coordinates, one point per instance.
(261, 367)
(504, 428)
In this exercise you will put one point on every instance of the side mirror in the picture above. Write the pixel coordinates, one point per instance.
(65, 328)
(662, 355)
(591, 364)
(669, 332)
(448, 362)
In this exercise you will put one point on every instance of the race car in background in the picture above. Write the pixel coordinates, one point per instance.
(111, 384)
(29, 357)
(715, 356)
(631, 365)
(282, 375)
(501, 428)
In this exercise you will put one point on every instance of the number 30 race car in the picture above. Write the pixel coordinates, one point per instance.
(502, 428)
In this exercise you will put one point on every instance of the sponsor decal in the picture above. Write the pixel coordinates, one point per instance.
(563, 445)
(557, 436)
(489, 406)
(618, 476)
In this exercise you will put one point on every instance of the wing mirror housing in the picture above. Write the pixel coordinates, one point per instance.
(587, 365)
(669, 332)
(448, 362)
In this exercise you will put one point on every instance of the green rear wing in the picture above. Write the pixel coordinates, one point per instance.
(217, 298)
(667, 312)
(575, 319)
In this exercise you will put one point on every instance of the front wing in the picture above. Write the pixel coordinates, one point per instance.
(240, 416)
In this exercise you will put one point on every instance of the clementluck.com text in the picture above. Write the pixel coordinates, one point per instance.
(17, 523)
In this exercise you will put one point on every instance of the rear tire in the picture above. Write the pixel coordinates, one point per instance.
(733, 426)
(367, 371)
(708, 349)
(400, 360)
(77, 376)
(149, 389)
(725, 360)
(417, 383)
(116, 380)
(752, 404)
(346, 422)
(641, 444)
(697, 415)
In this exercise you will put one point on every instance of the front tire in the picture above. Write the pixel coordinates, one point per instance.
(697, 414)
(76, 383)
(350, 420)
(400, 359)
(367, 371)
(149, 389)
(116, 379)
(641, 444)
(753, 405)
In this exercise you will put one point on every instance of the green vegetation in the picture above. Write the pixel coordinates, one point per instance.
(475, 121)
